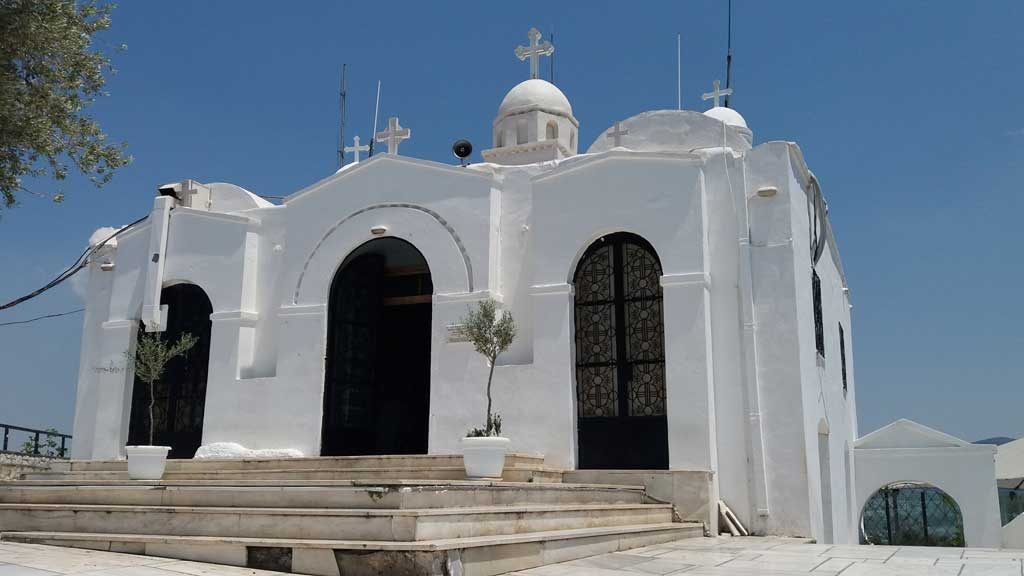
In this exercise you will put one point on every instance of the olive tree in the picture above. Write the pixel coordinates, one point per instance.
(50, 71)
(490, 336)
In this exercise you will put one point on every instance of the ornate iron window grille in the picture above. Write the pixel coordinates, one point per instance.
(819, 324)
(842, 355)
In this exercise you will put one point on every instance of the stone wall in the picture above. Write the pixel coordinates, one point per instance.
(12, 466)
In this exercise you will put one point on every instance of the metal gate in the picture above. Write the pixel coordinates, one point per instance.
(912, 514)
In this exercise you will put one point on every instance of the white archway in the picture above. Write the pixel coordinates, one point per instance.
(439, 243)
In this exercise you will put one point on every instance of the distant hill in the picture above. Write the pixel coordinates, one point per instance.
(997, 440)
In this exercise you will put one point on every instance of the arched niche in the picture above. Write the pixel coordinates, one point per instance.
(911, 514)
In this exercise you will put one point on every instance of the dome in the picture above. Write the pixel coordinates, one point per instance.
(535, 94)
(727, 115)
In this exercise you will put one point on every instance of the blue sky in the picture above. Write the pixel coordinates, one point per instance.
(910, 113)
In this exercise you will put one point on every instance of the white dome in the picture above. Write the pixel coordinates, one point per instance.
(535, 94)
(727, 115)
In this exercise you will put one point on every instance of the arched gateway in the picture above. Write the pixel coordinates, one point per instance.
(620, 356)
(377, 388)
(180, 395)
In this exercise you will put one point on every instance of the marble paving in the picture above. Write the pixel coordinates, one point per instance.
(35, 560)
(787, 557)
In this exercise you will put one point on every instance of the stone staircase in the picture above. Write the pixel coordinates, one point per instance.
(337, 516)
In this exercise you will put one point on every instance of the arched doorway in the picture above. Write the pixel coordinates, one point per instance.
(620, 356)
(911, 514)
(377, 388)
(180, 396)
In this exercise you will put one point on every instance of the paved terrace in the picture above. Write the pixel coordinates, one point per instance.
(693, 557)
(36, 560)
(786, 557)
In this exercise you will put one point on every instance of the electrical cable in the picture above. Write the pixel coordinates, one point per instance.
(45, 316)
(80, 263)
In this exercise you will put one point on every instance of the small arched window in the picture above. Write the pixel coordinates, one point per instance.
(572, 140)
(521, 134)
(552, 130)
(499, 141)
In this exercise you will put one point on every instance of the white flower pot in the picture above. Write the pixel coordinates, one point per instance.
(484, 457)
(146, 462)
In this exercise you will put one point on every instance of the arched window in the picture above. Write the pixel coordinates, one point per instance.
(572, 140)
(499, 140)
(521, 132)
(552, 130)
(620, 356)
(912, 514)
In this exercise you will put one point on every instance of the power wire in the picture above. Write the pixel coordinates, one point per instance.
(30, 320)
(80, 263)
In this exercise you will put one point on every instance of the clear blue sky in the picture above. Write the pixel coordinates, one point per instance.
(910, 113)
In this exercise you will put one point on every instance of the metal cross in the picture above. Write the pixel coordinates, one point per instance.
(616, 134)
(716, 93)
(534, 51)
(394, 135)
(355, 149)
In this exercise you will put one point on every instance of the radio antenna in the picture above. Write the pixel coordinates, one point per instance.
(376, 110)
(341, 115)
(679, 71)
(728, 58)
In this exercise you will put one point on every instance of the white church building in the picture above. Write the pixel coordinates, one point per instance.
(678, 290)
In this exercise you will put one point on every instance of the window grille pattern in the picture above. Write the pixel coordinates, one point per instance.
(620, 344)
(911, 514)
(819, 324)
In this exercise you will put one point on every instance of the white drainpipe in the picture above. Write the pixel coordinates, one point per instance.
(154, 315)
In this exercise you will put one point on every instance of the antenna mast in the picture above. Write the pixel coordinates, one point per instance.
(552, 62)
(679, 71)
(376, 109)
(341, 113)
(728, 58)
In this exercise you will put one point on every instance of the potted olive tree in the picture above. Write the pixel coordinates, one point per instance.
(152, 353)
(483, 449)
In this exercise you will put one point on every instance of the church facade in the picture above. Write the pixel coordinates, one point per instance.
(679, 295)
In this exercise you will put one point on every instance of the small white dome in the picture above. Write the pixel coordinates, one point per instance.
(535, 94)
(727, 115)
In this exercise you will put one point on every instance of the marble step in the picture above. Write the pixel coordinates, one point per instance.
(326, 523)
(513, 474)
(378, 495)
(512, 460)
(475, 556)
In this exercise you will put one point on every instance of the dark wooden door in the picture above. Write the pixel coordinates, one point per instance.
(620, 356)
(180, 396)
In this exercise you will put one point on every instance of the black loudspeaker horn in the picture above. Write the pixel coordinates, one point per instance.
(462, 149)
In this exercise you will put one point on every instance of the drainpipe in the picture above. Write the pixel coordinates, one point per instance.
(755, 428)
(154, 315)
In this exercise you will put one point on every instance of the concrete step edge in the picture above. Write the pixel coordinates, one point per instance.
(366, 484)
(424, 545)
(356, 512)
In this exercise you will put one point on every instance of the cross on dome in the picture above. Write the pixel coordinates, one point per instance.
(716, 93)
(355, 148)
(534, 51)
(616, 134)
(394, 135)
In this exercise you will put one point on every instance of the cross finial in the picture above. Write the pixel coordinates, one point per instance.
(394, 135)
(716, 93)
(355, 149)
(616, 134)
(534, 51)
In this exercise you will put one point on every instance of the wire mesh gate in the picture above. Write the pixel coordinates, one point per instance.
(911, 514)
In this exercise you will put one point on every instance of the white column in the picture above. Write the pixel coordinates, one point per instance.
(113, 389)
(554, 370)
(688, 372)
